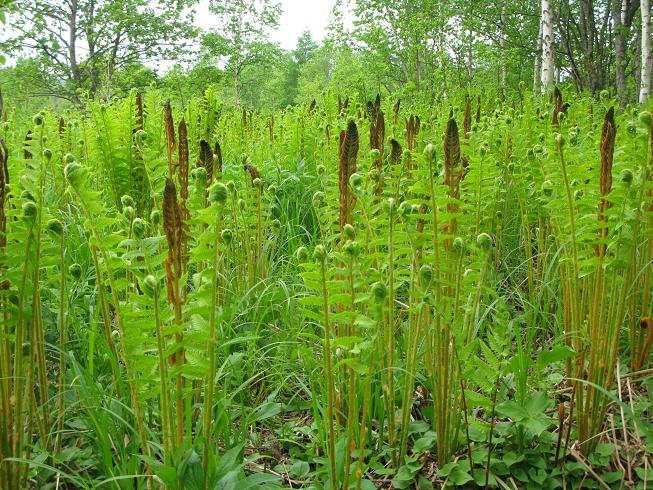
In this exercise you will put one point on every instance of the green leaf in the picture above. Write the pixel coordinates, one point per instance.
(512, 410)
(299, 469)
(459, 477)
(256, 480)
(556, 354)
(424, 443)
(264, 411)
(367, 485)
(229, 460)
(511, 457)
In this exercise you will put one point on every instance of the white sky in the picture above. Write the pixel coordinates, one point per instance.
(297, 16)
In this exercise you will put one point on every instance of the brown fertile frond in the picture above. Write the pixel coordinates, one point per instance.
(467, 121)
(608, 134)
(370, 111)
(170, 135)
(557, 106)
(327, 134)
(140, 112)
(380, 134)
(345, 106)
(172, 226)
(244, 118)
(380, 128)
(557, 99)
(253, 171)
(183, 159)
(5, 160)
(410, 131)
(271, 129)
(184, 170)
(311, 107)
(27, 155)
(377, 131)
(377, 142)
(64, 137)
(453, 173)
(646, 324)
(4, 179)
(349, 143)
(377, 103)
(478, 109)
(395, 152)
(171, 219)
(205, 159)
(451, 151)
(339, 104)
(349, 147)
(217, 150)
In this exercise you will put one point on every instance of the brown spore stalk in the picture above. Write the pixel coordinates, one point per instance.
(608, 133)
(349, 143)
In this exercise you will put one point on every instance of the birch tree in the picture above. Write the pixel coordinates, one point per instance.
(546, 76)
(645, 87)
(242, 39)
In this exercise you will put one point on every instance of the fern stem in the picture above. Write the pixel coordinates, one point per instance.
(329, 374)
(210, 379)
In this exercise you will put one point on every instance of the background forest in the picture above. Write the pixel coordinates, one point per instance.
(416, 48)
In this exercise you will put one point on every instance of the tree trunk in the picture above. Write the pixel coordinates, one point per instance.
(418, 69)
(645, 87)
(72, 44)
(620, 52)
(537, 71)
(547, 46)
(502, 48)
(237, 86)
(587, 35)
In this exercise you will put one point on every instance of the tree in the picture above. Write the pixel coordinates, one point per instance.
(546, 77)
(81, 41)
(402, 38)
(645, 84)
(623, 12)
(303, 53)
(242, 39)
(25, 83)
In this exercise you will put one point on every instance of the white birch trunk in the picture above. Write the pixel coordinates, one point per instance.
(537, 71)
(546, 77)
(645, 84)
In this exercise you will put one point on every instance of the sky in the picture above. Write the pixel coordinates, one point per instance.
(297, 16)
